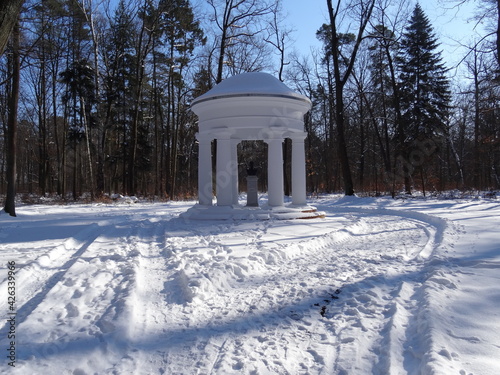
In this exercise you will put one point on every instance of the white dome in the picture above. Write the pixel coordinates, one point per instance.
(251, 106)
(250, 84)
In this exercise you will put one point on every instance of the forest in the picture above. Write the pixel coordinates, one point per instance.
(103, 91)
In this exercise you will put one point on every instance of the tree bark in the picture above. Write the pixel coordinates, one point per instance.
(10, 203)
(134, 137)
(9, 13)
(498, 34)
(222, 50)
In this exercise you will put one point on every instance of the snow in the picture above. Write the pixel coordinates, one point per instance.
(378, 286)
(249, 84)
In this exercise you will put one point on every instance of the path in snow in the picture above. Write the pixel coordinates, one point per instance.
(137, 290)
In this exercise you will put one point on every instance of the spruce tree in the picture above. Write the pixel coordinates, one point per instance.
(423, 95)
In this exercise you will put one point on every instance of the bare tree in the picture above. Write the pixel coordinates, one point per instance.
(9, 15)
(235, 19)
(386, 40)
(488, 13)
(490, 9)
(90, 10)
(10, 204)
(278, 36)
(342, 68)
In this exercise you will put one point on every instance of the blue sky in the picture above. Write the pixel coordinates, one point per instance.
(452, 26)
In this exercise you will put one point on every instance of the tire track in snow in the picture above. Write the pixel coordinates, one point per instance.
(287, 264)
(395, 349)
(36, 279)
(433, 225)
(232, 303)
(92, 286)
(362, 308)
(154, 299)
(145, 304)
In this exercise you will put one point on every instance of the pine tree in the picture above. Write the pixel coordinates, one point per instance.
(80, 100)
(424, 95)
(119, 83)
(180, 34)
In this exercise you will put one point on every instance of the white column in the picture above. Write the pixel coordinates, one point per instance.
(204, 169)
(234, 169)
(224, 179)
(275, 171)
(298, 169)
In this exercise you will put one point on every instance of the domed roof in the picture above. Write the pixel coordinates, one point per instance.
(250, 84)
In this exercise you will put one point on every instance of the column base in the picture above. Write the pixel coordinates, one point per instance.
(237, 212)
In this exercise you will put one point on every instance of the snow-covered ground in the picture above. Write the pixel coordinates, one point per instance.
(379, 286)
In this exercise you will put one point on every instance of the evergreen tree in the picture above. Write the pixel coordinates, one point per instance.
(80, 100)
(180, 34)
(424, 85)
(424, 95)
(119, 82)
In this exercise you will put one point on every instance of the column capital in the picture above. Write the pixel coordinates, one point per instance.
(271, 133)
(222, 133)
(297, 136)
(273, 140)
(204, 137)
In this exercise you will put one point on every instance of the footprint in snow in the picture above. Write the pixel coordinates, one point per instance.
(71, 310)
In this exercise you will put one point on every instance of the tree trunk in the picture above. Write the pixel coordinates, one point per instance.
(223, 42)
(400, 138)
(87, 143)
(498, 34)
(222, 54)
(10, 203)
(9, 14)
(341, 80)
(339, 112)
(139, 81)
(99, 183)
(42, 127)
(341, 142)
(477, 177)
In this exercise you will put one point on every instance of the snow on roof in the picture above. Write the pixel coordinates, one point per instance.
(250, 84)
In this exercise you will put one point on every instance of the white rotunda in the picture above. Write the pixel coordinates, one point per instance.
(250, 106)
